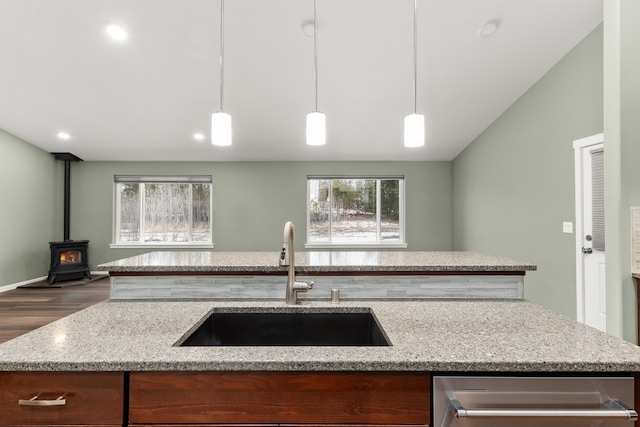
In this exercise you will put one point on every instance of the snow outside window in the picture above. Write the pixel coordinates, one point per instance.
(163, 211)
(355, 211)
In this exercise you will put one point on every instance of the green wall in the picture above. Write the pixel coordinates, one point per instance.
(31, 209)
(622, 155)
(514, 185)
(253, 200)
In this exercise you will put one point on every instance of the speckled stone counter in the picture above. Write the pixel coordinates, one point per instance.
(319, 262)
(485, 336)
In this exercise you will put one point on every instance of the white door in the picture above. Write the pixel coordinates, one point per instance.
(590, 248)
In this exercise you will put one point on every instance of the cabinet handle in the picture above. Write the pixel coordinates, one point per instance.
(35, 402)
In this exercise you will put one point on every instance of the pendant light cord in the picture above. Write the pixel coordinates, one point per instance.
(315, 50)
(415, 56)
(221, 54)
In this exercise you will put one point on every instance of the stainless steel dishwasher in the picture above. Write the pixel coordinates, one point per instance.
(483, 401)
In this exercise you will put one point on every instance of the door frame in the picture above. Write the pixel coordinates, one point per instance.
(578, 147)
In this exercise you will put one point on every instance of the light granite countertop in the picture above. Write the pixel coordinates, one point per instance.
(314, 262)
(471, 336)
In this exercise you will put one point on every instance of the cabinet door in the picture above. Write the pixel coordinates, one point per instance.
(89, 398)
(389, 398)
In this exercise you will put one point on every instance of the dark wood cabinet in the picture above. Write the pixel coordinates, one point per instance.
(220, 398)
(34, 398)
(272, 398)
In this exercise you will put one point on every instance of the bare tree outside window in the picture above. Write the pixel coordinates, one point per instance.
(390, 209)
(164, 212)
(167, 213)
(354, 210)
(129, 212)
(201, 212)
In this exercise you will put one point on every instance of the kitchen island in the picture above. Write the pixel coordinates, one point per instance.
(120, 362)
(358, 275)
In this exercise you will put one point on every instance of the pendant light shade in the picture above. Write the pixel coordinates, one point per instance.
(221, 129)
(316, 128)
(414, 130)
(220, 121)
(414, 123)
(316, 121)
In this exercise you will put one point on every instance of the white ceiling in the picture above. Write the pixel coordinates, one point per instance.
(143, 99)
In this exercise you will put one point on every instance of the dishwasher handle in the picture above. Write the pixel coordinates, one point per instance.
(612, 409)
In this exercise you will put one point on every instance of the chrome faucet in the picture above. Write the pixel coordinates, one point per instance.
(287, 259)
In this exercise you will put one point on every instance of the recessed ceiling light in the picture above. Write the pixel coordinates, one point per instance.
(63, 135)
(116, 32)
(488, 29)
(198, 137)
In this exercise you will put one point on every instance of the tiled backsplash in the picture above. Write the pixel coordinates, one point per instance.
(351, 287)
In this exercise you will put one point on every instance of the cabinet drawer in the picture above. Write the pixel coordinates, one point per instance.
(279, 397)
(89, 398)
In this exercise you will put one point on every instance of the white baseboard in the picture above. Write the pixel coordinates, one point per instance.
(38, 279)
(26, 282)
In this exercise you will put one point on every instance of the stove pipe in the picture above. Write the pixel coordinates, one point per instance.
(67, 158)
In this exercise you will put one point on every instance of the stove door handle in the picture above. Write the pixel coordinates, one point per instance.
(60, 401)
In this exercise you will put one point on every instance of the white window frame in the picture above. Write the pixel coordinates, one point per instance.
(119, 179)
(379, 244)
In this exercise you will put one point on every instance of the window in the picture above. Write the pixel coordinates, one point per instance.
(163, 210)
(355, 211)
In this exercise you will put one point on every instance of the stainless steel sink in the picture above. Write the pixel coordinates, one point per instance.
(319, 328)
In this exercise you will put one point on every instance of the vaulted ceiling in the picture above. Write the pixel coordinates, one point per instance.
(144, 98)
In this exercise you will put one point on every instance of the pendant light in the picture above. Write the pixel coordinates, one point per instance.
(316, 122)
(414, 123)
(220, 121)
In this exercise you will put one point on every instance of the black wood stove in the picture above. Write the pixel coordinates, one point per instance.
(69, 261)
(69, 258)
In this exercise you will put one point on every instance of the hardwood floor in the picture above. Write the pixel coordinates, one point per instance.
(24, 309)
